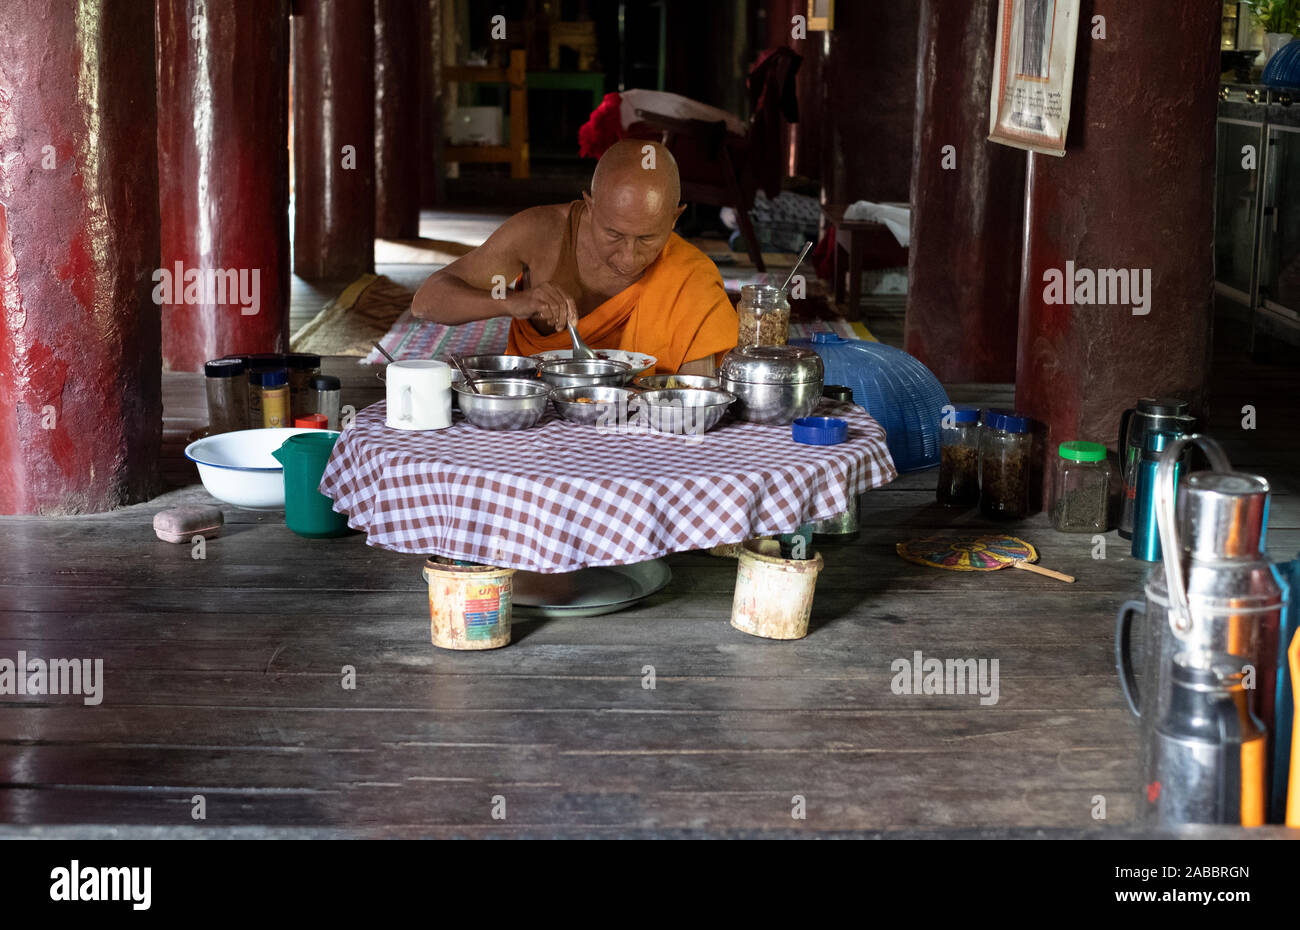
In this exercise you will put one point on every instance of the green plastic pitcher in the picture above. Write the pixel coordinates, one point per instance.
(307, 511)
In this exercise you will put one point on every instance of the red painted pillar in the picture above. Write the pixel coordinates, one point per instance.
(967, 205)
(397, 119)
(223, 160)
(80, 399)
(431, 163)
(334, 138)
(1133, 192)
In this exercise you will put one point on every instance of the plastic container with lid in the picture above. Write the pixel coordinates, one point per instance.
(1082, 488)
(272, 389)
(303, 367)
(227, 390)
(959, 458)
(1006, 448)
(764, 316)
(323, 398)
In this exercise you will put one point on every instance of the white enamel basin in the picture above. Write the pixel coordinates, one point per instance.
(238, 467)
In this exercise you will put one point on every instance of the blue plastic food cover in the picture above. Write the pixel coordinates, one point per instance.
(900, 393)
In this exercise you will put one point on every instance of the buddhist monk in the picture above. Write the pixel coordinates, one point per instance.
(610, 262)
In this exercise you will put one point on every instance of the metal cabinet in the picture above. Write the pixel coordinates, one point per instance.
(1257, 212)
(1236, 208)
(1279, 252)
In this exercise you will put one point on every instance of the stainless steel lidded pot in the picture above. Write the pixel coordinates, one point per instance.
(772, 384)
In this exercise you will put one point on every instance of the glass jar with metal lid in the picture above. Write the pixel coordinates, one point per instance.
(1082, 488)
(227, 390)
(303, 366)
(1006, 446)
(764, 316)
(772, 384)
(323, 398)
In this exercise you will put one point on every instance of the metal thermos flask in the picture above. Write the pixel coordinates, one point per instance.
(1208, 759)
(1146, 536)
(1152, 414)
(1210, 638)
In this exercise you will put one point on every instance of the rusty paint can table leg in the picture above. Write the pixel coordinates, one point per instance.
(469, 605)
(773, 595)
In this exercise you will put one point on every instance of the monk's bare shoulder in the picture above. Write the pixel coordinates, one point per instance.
(538, 231)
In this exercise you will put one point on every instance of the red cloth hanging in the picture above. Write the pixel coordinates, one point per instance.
(602, 129)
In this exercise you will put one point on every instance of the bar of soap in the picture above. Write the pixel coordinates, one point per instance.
(182, 524)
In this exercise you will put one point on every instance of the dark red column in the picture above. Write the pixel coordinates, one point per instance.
(80, 398)
(398, 85)
(334, 138)
(967, 205)
(223, 159)
(869, 106)
(1134, 190)
(431, 163)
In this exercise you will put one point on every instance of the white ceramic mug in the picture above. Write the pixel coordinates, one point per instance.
(419, 395)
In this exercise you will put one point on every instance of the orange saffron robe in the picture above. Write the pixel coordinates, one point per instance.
(678, 311)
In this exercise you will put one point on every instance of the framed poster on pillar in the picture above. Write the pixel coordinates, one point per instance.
(1033, 74)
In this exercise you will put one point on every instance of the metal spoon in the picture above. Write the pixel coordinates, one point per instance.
(802, 255)
(384, 353)
(455, 360)
(580, 349)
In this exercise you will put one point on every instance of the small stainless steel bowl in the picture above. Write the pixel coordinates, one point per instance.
(505, 403)
(501, 366)
(608, 406)
(683, 411)
(668, 382)
(586, 372)
(774, 403)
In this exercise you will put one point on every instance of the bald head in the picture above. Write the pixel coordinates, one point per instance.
(639, 175)
(633, 204)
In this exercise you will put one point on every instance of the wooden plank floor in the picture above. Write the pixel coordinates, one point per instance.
(223, 679)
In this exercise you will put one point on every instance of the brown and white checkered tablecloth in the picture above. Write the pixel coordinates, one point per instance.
(560, 496)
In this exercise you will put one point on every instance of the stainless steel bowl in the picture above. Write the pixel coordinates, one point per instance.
(682, 411)
(608, 406)
(501, 366)
(668, 382)
(773, 384)
(585, 372)
(774, 403)
(505, 403)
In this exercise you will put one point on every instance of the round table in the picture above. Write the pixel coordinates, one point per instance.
(561, 496)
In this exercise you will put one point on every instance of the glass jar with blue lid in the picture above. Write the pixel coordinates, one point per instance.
(1006, 446)
(959, 457)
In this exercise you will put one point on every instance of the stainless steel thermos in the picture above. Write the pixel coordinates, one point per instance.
(1151, 415)
(1146, 536)
(1208, 757)
(1207, 647)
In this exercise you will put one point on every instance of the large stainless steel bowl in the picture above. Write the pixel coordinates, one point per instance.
(667, 382)
(773, 384)
(774, 403)
(601, 405)
(501, 366)
(586, 372)
(507, 403)
(682, 411)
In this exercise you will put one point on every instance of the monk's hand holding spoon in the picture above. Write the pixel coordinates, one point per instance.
(546, 305)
